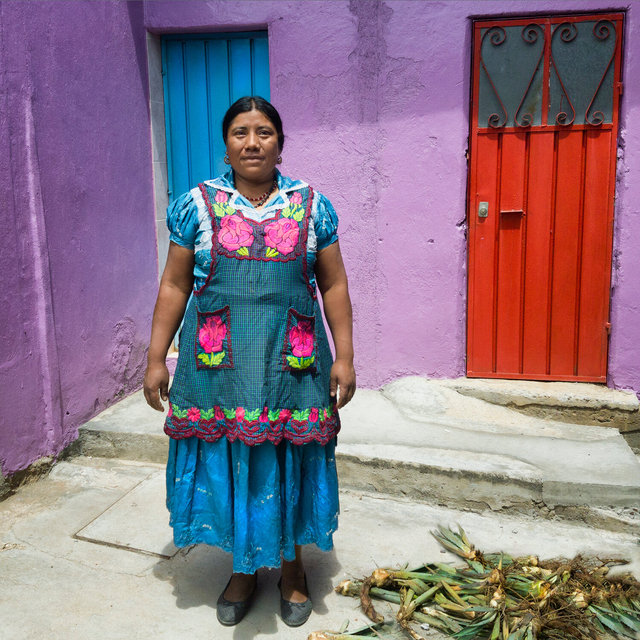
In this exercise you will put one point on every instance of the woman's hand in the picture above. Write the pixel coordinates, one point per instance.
(156, 379)
(174, 292)
(332, 282)
(343, 376)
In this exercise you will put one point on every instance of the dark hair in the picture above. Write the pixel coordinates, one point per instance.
(249, 103)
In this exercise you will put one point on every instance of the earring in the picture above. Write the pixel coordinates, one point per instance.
(227, 160)
(279, 160)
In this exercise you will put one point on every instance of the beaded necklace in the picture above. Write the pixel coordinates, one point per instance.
(260, 200)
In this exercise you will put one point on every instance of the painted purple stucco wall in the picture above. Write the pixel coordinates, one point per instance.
(375, 101)
(78, 250)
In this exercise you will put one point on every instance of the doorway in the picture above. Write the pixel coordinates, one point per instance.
(203, 75)
(544, 126)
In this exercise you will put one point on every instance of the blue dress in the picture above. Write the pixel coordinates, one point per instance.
(251, 464)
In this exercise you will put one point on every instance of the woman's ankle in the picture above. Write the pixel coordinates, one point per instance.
(240, 586)
(292, 570)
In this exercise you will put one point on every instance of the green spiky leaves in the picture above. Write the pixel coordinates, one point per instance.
(499, 597)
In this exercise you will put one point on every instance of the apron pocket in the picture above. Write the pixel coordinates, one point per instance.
(299, 353)
(213, 340)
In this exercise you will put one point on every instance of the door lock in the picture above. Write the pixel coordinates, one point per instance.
(483, 210)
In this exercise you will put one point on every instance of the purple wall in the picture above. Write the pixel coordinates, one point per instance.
(78, 250)
(375, 100)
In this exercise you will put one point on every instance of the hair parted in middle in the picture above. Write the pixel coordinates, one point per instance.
(249, 103)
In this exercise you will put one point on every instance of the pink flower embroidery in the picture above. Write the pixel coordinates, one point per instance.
(239, 413)
(281, 235)
(301, 339)
(264, 416)
(313, 416)
(285, 415)
(324, 413)
(193, 414)
(219, 413)
(212, 333)
(221, 196)
(170, 413)
(296, 198)
(235, 233)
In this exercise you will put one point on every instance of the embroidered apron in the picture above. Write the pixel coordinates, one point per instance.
(254, 361)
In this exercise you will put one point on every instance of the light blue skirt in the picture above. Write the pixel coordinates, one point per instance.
(256, 502)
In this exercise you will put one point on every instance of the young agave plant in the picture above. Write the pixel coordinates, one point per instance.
(497, 597)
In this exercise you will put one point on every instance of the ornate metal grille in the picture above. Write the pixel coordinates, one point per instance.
(555, 72)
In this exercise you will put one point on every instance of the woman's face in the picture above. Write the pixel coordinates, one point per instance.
(252, 146)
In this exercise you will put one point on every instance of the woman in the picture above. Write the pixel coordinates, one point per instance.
(253, 406)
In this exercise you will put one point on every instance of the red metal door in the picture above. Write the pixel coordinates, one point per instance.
(541, 189)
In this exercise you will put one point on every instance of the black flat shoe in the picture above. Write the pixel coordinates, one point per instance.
(295, 614)
(230, 613)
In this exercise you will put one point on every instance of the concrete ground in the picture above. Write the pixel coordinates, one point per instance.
(86, 553)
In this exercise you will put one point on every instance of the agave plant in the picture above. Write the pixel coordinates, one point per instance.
(498, 597)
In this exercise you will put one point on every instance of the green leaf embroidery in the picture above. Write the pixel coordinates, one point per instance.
(274, 415)
(272, 253)
(243, 251)
(300, 363)
(230, 413)
(329, 412)
(217, 358)
(294, 211)
(208, 414)
(179, 413)
(205, 358)
(222, 209)
(252, 415)
(301, 415)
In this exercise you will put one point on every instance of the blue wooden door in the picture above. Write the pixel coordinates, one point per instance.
(203, 75)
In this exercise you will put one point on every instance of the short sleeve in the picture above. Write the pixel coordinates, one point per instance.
(182, 220)
(325, 222)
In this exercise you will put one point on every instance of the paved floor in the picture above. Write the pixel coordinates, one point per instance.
(86, 553)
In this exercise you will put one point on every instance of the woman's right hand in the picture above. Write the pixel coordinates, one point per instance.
(175, 288)
(156, 379)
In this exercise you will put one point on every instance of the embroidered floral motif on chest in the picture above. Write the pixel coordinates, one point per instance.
(274, 238)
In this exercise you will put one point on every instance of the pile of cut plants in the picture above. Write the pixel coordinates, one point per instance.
(494, 596)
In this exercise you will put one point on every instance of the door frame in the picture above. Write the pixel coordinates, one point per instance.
(472, 205)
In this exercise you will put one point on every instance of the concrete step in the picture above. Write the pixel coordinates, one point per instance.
(575, 402)
(128, 430)
(424, 440)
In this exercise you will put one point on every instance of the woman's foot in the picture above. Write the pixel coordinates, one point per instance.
(293, 586)
(295, 603)
(240, 587)
(236, 599)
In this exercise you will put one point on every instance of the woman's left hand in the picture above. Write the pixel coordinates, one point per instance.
(343, 376)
